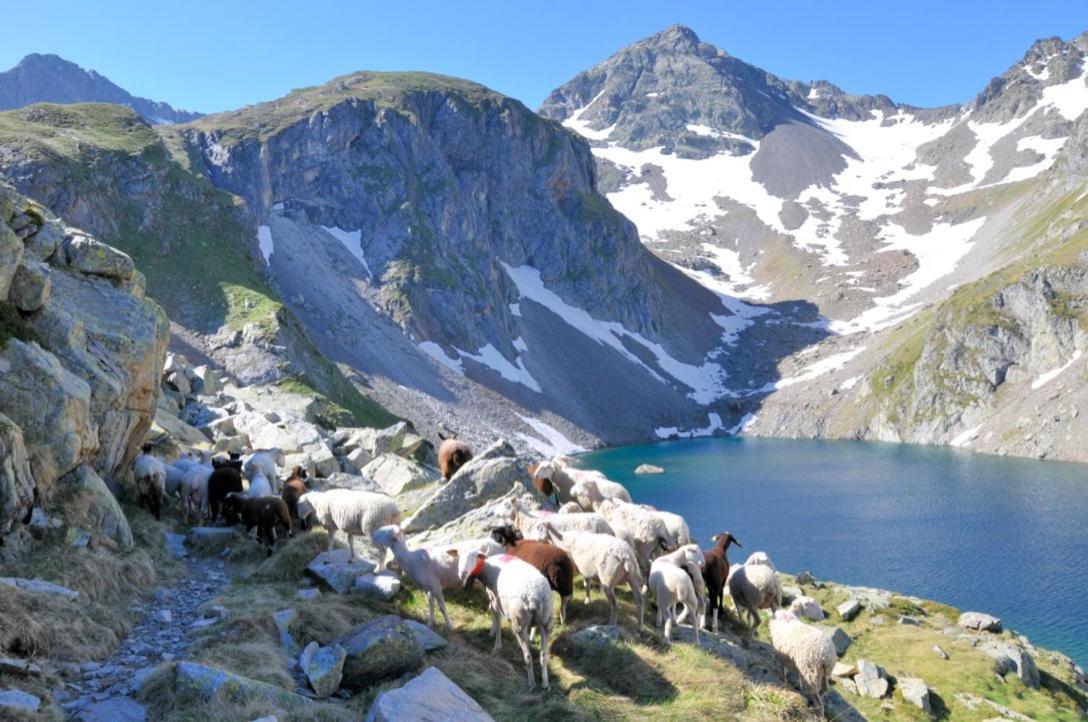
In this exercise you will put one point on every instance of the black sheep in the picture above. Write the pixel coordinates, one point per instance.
(225, 478)
(265, 513)
(715, 572)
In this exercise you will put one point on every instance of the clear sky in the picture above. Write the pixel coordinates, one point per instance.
(212, 55)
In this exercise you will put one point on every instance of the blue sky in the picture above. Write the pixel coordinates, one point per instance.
(209, 56)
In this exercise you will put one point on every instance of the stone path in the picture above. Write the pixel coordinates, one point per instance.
(101, 691)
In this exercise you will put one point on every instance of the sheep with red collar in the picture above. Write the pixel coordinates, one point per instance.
(518, 592)
(352, 512)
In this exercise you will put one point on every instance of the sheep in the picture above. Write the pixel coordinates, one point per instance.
(807, 650)
(645, 530)
(194, 489)
(589, 492)
(259, 486)
(431, 568)
(224, 479)
(672, 578)
(264, 462)
(549, 559)
(176, 473)
(678, 533)
(557, 476)
(150, 475)
(293, 488)
(352, 512)
(754, 587)
(452, 455)
(758, 558)
(715, 572)
(570, 507)
(524, 519)
(518, 592)
(603, 557)
(265, 513)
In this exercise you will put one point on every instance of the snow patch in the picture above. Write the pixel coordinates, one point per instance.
(1044, 379)
(492, 358)
(352, 240)
(435, 351)
(715, 424)
(966, 437)
(554, 443)
(575, 122)
(264, 242)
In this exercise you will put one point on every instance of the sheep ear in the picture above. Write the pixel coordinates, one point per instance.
(451, 552)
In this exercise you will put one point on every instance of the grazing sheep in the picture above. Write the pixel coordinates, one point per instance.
(603, 557)
(524, 518)
(225, 479)
(753, 588)
(452, 455)
(259, 486)
(645, 530)
(758, 558)
(352, 512)
(518, 592)
(715, 572)
(671, 579)
(571, 507)
(432, 569)
(589, 492)
(549, 560)
(293, 488)
(150, 475)
(264, 462)
(264, 513)
(807, 650)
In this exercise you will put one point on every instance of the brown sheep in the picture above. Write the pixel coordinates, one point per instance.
(293, 488)
(549, 560)
(263, 512)
(225, 478)
(452, 455)
(715, 572)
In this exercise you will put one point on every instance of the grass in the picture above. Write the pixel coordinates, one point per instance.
(13, 325)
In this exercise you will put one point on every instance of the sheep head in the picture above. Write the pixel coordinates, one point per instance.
(469, 565)
(724, 539)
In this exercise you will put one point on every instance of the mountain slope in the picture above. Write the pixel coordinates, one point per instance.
(51, 79)
(774, 191)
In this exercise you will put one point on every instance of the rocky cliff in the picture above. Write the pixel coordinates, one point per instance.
(81, 352)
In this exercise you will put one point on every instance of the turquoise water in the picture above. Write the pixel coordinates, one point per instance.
(1004, 536)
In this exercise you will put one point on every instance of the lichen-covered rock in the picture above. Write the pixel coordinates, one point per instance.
(100, 511)
(396, 475)
(16, 481)
(30, 286)
(324, 668)
(871, 680)
(337, 570)
(11, 255)
(1011, 657)
(206, 683)
(430, 697)
(87, 255)
(980, 622)
(381, 648)
(916, 692)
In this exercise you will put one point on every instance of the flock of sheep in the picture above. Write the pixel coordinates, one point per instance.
(597, 532)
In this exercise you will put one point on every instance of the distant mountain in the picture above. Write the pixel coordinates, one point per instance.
(52, 79)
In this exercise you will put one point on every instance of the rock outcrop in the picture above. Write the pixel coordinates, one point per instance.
(80, 353)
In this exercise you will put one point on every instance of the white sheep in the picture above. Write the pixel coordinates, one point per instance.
(259, 486)
(590, 492)
(601, 557)
(150, 476)
(264, 462)
(432, 569)
(352, 512)
(759, 558)
(671, 579)
(570, 507)
(754, 587)
(524, 518)
(807, 650)
(556, 477)
(176, 472)
(194, 489)
(518, 592)
(677, 527)
(643, 529)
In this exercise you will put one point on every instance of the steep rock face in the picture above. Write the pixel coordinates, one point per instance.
(51, 79)
(80, 372)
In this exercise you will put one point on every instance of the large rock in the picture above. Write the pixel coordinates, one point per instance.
(16, 481)
(381, 587)
(30, 287)
(39, 586)
(841, 640)
(871, 680)
(849, 609)
(290, 435)
(426, 636)
(208, 683)
(397, 475)
(381, 648)
(1010, 657)
(430, 697)
(114, 709)
(478, 482)
(51, 406)
(87, 255)
(808, 608)
(980, 622)
(916, 692)
(470, 525)
(11, 256)
(337, 570)
(16, 700)
(324, 668)
(100, 511)
(596, 635)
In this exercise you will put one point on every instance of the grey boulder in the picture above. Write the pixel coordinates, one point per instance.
(980, 622)
(337, 570)
(871, 680)
(916, 692)
(430, 697)
(382, 648)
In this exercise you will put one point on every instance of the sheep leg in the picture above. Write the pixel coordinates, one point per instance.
(615, 613)
(332, 538)
(544, 683)
(587, 589)
(640, 604)
(521, 634)
(442, 607)
(670, 614)
(563, 610)
(351, 548)
(496, 630)
(430, 609)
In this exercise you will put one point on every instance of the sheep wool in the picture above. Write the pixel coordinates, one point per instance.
(352, 512)
(754, 587)
(806, 649)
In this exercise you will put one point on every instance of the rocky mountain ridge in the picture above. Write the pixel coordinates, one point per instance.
(47, 78)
